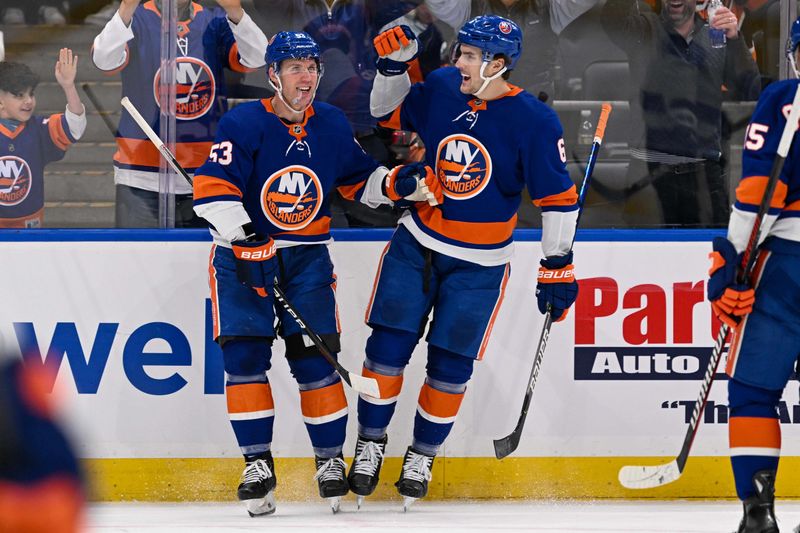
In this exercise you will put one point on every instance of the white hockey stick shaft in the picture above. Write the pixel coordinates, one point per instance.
(155, 139)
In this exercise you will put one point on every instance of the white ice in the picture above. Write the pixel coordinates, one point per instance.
(473, 516)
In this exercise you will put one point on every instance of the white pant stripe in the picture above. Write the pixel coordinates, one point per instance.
(744, 450)
(325, 418)
(435, 419)
(252, 415)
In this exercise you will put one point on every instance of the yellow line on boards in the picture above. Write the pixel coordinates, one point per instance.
(453, 478)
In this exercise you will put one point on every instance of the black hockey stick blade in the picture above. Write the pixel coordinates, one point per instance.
(646, 477)
(358, 383)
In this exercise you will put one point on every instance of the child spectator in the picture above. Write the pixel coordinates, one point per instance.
(28, 142)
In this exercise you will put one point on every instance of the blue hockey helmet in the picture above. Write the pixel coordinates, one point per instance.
(291, 45)
(493, 35)
(794, 35)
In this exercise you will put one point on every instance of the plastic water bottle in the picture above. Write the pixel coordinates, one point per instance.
(585, 131)
(715, 35)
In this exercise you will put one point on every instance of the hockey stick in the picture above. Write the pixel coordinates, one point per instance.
(100, 111)
(357, 382)
(509, 443)
(646, 477)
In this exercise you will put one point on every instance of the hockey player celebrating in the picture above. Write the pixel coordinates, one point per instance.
(764, 312)
(266, 190)
(28, 142)
(487, 140)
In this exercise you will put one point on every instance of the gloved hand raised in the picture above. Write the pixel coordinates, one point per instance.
(256, 263)
(396, 47)
(731, 301)
(414, 182)
(556, 286)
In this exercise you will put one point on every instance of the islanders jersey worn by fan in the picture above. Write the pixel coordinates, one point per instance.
(24, 152)
(484, 153)
(207, 43)
(281, 177)
(774, 277)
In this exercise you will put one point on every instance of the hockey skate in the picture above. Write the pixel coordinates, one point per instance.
(332, 480)
(759, 510)
(257, 489)
(366, 467)
(414, 477)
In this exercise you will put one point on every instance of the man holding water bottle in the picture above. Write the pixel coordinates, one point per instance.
(679, 64)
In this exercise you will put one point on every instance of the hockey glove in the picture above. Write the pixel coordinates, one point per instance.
(256, 263)
(730, 300)
(556, 286)
(414, 182)
(396, 48)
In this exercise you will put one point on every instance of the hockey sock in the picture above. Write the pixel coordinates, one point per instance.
(251, 409)
(755, 433)
(323, 404)
(388, 352)
(440, 398)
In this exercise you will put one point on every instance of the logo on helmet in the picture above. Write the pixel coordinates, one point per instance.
(504, 27)
(463, 166)
(292, 197)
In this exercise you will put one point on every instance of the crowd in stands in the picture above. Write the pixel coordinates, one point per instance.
(674, 141)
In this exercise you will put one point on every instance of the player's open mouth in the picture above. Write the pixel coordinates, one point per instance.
(676, 6)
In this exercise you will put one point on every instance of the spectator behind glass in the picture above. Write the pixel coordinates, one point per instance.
(29, 142)
(208, 42)
(541, 21)
(676, 104)
(33, 12)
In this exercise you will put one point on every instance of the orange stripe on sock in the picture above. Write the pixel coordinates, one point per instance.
(322, 402)
(439, 404)
(754, 432)
(389, 386)
(249, 397)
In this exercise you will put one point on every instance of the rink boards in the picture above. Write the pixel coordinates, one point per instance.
(126, 315)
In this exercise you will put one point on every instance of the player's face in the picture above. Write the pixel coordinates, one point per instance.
(17, 106)
(679, 11)
(299, 78)
(468, 62)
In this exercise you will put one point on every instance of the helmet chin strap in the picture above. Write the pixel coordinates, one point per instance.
(792, 56)
(487, 81)
(279, 92)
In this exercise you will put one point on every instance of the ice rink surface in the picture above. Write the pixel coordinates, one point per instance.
(550, 517)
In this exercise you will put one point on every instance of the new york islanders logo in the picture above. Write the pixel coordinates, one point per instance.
(15, 180)
(195, 88)
(504, 27)
(463, 166)
(292, 197)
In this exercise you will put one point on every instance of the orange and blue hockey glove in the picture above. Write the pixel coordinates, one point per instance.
(396, 48)
(256, 263)
(556, 286)
(414, 182)
(731, 301)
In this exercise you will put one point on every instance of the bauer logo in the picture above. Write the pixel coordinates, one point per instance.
(463, 166)
(195, 88)
(292, 197)
(645, 332)
(15, 180)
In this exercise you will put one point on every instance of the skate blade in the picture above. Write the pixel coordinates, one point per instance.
(261, 506)
(359, 501)
(335, 503)
(408, 501)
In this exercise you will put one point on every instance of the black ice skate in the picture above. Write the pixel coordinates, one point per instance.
(366, 467)
(413, 482)
(332, 481)
(759, 510)
(257, 489)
